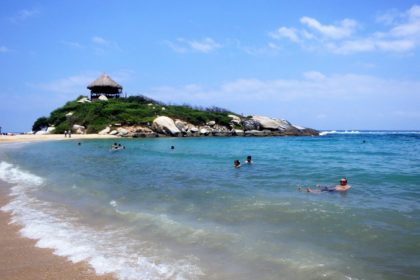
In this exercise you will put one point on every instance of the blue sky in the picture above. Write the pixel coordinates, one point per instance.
(320, 64)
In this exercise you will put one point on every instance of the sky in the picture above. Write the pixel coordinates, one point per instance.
(319, 64)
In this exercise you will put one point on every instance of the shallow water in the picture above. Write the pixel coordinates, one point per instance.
(149, 212)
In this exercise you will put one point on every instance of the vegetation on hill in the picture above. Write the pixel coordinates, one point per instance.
(134, 110)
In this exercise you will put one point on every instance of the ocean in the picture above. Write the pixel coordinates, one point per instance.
(152, 212)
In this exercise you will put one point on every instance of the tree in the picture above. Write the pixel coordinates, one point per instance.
(40, 123)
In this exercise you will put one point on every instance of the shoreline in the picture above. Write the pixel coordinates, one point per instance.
(50, 137)
(20, 259)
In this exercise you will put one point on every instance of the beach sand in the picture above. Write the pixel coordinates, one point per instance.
(21, 260)
(50, 137)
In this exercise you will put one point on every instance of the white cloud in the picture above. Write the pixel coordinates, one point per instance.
(73, 84)
(4, 49)
(75, 45)
(289, 33)
(205, 45)
(101, 45)
(344, 29)
(314, 75)
(99, 40)
(315, 100)
(402, 36)
(23, 15)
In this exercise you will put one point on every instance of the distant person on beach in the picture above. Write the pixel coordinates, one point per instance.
(65, 133)
(69, 133)
(342, 187)
(248, 160)
(236, 163)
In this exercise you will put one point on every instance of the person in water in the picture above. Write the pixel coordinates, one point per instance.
(248, 160)
(342, 187)
(236, 163)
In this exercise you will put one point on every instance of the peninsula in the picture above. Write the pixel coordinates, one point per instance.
(107, 113)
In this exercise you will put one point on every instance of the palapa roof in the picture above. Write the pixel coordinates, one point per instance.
(104, 81)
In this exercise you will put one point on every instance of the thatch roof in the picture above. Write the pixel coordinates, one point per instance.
(104, 81)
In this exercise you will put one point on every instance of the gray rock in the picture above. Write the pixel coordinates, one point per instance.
(79, 129)
(211, 123)
(84, 100)
(238, 132)
(250, 124)
(122, 131)
(165, 125)
(235, 119)
(204, 131)
(271, 123)
(102, 98)
(181, 125)
(104, 131)
(114, 132)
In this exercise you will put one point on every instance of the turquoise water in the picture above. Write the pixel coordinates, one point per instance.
(149, 212)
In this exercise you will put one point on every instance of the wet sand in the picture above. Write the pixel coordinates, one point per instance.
(50, 137)
(21, 260)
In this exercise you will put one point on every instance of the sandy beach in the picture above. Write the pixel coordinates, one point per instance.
(21, 260)
(50, 137)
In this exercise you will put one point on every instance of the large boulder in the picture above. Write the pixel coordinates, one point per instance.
(122, 131)
(50, 129)
(105, 131)
(250, 124)
(102, 98)
(235, 119)
(211, 123)
(79, 129)
(271, 123)
(84, 100)
(238, 132)
(165, 125)
(181, 125)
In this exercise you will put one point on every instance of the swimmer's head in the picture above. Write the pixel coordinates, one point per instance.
(343, 181)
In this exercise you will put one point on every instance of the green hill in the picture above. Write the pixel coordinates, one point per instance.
(134, 110)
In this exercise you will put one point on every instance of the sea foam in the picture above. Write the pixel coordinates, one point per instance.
(108, 251)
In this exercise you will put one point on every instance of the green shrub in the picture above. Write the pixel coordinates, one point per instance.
(133, 110)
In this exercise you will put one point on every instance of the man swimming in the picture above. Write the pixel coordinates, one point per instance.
(342, 187)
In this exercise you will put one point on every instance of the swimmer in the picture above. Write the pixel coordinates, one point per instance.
(248, 160)
(342, 187)
(236, 163)
(172, 147)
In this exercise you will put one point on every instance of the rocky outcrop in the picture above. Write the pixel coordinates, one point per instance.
(165, 125)
(102, 98)
(105, 131)
(272, 124)
(252, 126)
(79, 129)
(84, 100)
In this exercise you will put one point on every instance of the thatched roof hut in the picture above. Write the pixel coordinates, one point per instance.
(106, 86)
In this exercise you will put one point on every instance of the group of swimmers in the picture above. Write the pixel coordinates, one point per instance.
(342, 187)
(116, 147)
(237, 163)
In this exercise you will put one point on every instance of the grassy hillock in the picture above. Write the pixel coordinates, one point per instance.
(134, 110)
